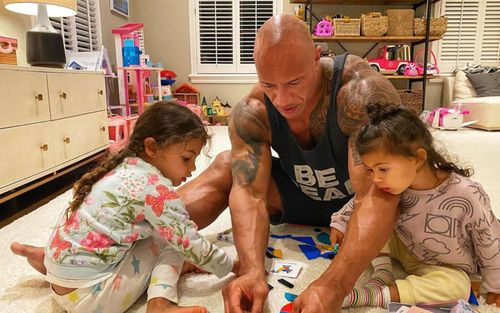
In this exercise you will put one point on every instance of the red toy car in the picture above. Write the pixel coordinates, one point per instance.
(392, 59)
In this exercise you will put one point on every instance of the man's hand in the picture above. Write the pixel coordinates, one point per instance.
(493, 298)
(319, 297)
(336, 236)
(246, 293)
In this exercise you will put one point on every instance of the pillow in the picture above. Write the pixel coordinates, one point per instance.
(462, 89)
(485, 84)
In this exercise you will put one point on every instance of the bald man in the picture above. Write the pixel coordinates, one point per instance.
(305, 108)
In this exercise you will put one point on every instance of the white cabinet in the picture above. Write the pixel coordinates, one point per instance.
(49, 119)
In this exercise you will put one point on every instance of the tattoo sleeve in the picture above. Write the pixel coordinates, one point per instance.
(247, 131)
(361, 85)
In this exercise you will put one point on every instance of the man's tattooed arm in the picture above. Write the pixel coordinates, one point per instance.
(251, 171)
(361, 85)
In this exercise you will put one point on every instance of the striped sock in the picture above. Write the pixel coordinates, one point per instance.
(382, 272)
(376, 296)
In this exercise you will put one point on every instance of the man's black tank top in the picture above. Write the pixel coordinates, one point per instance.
(321, 172)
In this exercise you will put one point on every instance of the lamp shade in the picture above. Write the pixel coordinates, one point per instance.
(55, 8)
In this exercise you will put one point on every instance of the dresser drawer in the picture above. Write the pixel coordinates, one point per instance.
(79, 135)
(23, 98)
(26, 151)
(75, 93)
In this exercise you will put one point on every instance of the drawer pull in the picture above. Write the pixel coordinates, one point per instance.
(63, 95)
(39, 97)
(103, 129)
(66, 140)
(44, 147)
(100, 92)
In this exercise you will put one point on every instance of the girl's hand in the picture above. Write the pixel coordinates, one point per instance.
(493, 298)
(336, 236)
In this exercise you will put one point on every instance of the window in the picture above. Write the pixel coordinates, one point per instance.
(473, 33)
(81, 32)
(223, 35)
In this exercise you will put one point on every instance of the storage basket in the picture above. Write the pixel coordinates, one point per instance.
(412, 99)
(373, 24)
(400, 22)
(346, 26)
(438, 26)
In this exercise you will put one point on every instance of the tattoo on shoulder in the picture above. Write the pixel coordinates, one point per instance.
(355, 156)
(317, 121)
(360, 86)
(251, 128)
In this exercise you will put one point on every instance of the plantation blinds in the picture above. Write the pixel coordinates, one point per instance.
(81, 32)
(225, 33)
(473, 33)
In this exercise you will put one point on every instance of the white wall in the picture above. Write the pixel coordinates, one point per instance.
(15, 25)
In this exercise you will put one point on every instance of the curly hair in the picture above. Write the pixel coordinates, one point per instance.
(400, 131)
(165, 121)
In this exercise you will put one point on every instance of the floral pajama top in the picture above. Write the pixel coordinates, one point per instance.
(125, 206)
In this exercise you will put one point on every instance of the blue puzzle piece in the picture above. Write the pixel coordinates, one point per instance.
(290, 296)
(324, 238)
(312, 252)
(472, 298)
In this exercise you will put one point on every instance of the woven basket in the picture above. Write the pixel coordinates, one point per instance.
(400, 22)
(412, 99)
(373, 24)
(346, 26)
(439, 25)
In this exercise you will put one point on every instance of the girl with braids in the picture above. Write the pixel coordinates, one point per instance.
(446, 228)
(126, 229)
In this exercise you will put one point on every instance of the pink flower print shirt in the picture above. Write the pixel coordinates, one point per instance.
(127, 205)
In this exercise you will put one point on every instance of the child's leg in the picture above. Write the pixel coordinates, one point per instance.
(162, 290)
(428, 283)
(376, 291)
(127, 284)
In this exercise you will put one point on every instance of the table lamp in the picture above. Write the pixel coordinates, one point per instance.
(44, 44)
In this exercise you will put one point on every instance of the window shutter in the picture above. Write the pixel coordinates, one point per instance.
(216, 36)
(81, 32)
(459, 41)
(252, 14)
(490, 49)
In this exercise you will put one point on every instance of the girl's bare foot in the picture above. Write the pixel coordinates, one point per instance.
(191, 268)
(34, 255)
(162, 305)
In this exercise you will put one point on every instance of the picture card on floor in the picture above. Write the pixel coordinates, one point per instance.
(285, 268)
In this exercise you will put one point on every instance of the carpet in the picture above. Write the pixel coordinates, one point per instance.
(22, 289)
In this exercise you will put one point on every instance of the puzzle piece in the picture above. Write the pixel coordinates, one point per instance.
(290, 296)
(324, 238)
(287, 308)
(274, 253)
(312, 252)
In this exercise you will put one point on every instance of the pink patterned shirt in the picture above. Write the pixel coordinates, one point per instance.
(125, 206)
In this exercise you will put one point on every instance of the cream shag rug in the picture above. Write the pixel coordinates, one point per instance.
(22, 289)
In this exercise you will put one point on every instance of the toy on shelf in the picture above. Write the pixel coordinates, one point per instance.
(323, 29)
(392, 59)
(432, 68)
(187, 92)
(217, 107)
(8, 47)
(129, 45)
(167, 80)
(214, 113)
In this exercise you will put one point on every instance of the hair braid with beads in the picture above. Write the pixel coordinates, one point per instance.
(165, 121)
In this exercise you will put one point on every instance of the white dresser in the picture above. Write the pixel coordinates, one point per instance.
(49, 119)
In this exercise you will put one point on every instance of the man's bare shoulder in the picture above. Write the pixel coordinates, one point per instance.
(361, 85)
(249, 119)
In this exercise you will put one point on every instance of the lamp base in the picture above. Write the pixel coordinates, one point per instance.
(45, 49)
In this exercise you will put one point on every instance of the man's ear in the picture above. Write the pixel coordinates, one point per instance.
(150, 148)
(317, 53)
(421, 157)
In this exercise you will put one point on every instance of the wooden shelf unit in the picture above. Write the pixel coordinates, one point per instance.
(386, 39)
(419, 77)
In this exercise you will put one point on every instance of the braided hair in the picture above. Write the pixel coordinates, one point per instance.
(165, 121)
(399, 131)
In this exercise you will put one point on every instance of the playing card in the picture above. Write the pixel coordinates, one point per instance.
(285, 268)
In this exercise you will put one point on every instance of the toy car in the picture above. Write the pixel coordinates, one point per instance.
(392, 59)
